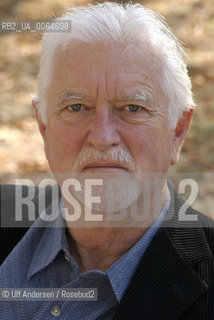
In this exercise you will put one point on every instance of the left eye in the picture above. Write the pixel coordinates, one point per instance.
(133, 108)
(75, 107)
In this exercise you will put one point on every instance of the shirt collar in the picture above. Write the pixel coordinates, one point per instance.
(52, 241)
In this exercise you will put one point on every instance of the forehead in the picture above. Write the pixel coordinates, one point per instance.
(101, 69)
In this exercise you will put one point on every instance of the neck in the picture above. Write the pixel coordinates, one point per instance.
(97, 248)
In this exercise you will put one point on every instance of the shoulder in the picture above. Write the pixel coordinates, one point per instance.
(11, 230)
(191, 230)
(20, 258)
(208, 228)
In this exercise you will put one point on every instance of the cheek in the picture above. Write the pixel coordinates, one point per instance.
(151, 148)
(62, 146)
(144, 148)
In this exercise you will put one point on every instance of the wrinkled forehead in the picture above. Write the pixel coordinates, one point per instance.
(118, 68)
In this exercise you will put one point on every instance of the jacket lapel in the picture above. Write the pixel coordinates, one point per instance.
(165, 283)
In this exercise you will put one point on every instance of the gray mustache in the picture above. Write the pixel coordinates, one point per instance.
(120, 156)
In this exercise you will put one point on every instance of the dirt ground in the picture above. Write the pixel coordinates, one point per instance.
(21, 148)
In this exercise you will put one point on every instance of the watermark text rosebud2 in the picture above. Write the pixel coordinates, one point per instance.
(101, 200)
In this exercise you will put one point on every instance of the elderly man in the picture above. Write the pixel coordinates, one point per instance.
(114, 102)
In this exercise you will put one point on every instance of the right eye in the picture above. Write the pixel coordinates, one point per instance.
(75, 107)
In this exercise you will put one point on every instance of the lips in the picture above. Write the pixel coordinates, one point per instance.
(103, 165)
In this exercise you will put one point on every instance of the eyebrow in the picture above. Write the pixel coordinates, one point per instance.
(66, 96)
(142, 95)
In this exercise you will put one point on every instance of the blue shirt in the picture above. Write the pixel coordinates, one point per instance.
(42, 260)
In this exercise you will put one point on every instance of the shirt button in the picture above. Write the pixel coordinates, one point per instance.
(55, 311)
(67, 257)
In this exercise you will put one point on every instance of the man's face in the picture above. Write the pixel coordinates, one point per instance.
(106, 112)
(112, 85)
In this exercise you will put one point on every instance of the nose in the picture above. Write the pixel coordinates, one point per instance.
(103, 134)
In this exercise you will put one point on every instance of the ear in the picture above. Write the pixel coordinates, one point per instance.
(42, 125)
(180, 133)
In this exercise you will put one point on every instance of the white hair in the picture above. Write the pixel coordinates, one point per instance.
(129, 24)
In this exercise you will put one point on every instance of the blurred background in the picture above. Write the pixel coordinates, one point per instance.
(21, 147)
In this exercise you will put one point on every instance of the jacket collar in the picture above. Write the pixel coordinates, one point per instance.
(165, 283)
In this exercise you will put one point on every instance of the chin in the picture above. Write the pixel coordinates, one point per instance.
(114, 195)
